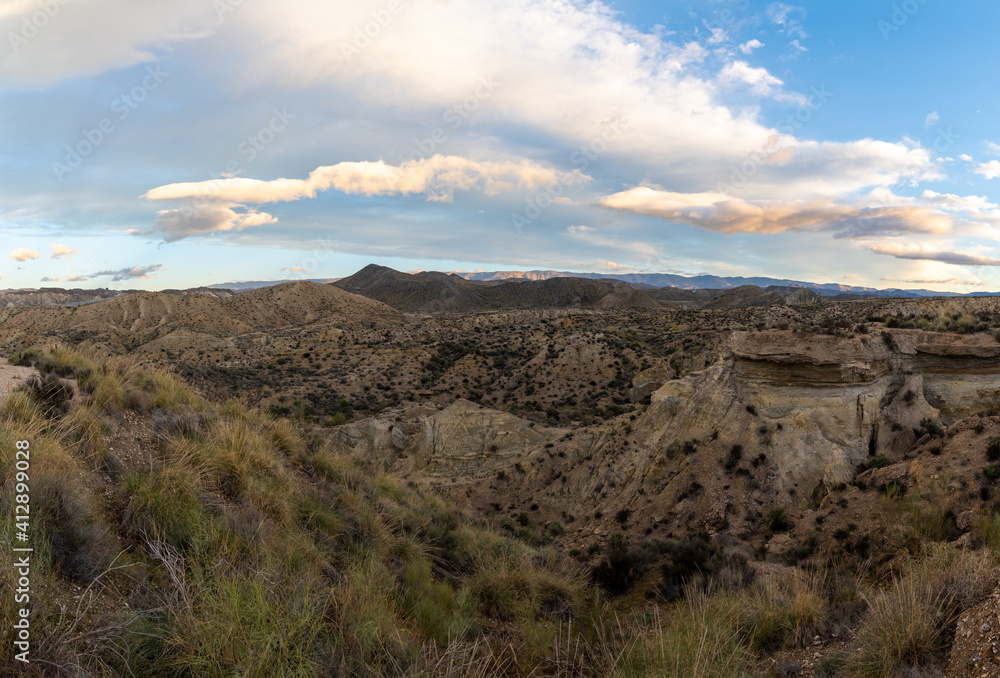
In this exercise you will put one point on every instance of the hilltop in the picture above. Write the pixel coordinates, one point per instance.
(440, 292)
(140, 317)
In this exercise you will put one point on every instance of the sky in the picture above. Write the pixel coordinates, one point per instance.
(154, 145)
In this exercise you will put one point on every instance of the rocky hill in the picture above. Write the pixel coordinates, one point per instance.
(432, 292)
(805, 413)
(53, 296)
(746, 296)
(141, 317)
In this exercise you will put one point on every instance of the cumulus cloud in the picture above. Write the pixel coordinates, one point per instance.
(727, 214)
(293, 269)
(133, 273)
(23, 254)
(924, 252)
(749, 46)
(759, 80)
(438, 177)
(212, 205)
(854, 276)
(198, 217)
(680, 128)
(59, 251)
(932, 119)
(990, 170)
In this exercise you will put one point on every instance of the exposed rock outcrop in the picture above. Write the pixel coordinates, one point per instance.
(781, 419)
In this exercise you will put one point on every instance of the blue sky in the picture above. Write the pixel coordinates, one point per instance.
(156, 145)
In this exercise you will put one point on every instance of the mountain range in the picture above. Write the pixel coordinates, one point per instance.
(656, 280)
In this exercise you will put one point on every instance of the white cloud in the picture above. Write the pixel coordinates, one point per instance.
(679, 126)
(79, 38)
(23, 254)
(749, 46)
(966, 157)
(780, 15)
(213, 205)
(925, 252)
(760, 81)
(932, 119)
(726, 214)
(438, 177)
(990, 170)
(59, 251)
(992, 148)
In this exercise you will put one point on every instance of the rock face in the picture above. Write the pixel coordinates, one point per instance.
(781, 419)
(828, 403)
(463, 440)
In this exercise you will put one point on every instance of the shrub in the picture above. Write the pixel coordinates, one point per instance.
(621, 567)
(880, 461)
(733, 458)
(905, 626)
(931, 426)
(51, 390)
(777, 520)
(993, 449)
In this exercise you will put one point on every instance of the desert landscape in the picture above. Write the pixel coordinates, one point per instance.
(420, 475)
(499, 339)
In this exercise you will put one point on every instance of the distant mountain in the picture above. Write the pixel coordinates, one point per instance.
(714, 282)
(429, 292)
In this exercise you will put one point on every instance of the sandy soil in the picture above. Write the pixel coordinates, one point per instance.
(11, 376)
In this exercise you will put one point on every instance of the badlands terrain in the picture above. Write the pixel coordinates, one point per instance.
(807, 473)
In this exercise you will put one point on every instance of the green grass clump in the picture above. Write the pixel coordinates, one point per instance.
(165, 506)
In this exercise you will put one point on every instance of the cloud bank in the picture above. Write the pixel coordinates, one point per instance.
(220, 205)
